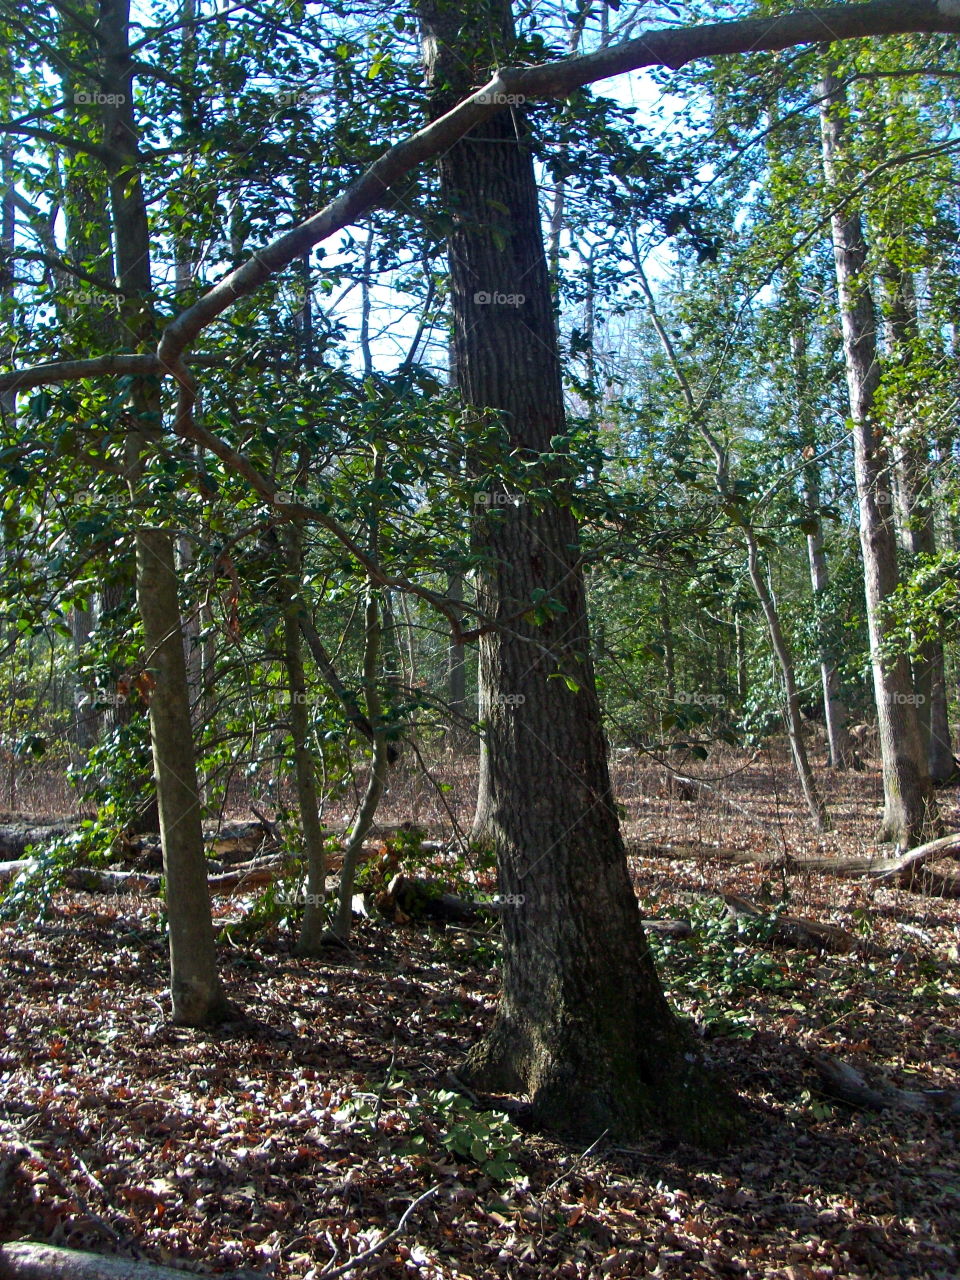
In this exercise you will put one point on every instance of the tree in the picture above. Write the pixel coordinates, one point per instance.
(834, 710)
(568, 980)
(908, 801)
(758, 580)
(195, 987)
(581, 1012)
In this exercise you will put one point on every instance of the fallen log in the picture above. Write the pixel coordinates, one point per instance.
(855, 866)
(909, 870)
(800, 932)
(664, 928)
(28, 1261)
(407, 898)
(239, 839)
(250, 875)
(17, 837)
(94, 880)
(10, 870)
(231, 839)
(844, 1082)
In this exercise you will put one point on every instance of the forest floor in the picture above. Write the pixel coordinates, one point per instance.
(289, 1143)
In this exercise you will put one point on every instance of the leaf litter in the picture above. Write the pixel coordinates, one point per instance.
(294, 1141)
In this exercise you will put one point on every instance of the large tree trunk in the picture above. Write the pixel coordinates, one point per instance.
(196, 992)
(909, 808)
(582, 1025)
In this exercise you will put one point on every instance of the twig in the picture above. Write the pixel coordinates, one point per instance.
(579, 1161)
(378, 1111)
(269, 825)
(457, 1084)
(375, 1249)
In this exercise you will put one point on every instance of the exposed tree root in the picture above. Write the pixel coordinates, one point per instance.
(844, 1082)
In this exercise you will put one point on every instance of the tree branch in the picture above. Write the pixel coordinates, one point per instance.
(671, 48)
(57, 140)
(39, 375)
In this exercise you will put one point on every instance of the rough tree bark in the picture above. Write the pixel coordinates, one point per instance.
(909, 808)
(582, 1025)
(456, 659)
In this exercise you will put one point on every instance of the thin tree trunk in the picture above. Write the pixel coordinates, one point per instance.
(88, 246)
(666, 622)
(743, 685)
(778, 641)
(196, 991)
(86, 718)
(197, 995)
(909, 810)
(784, 659)
(379, 766)
(8, 223)
(313, 924)
(834, 710)
(914, 513)
(8, 399)
(582, 1026)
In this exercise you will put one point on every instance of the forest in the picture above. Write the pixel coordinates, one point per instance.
(479, 682)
